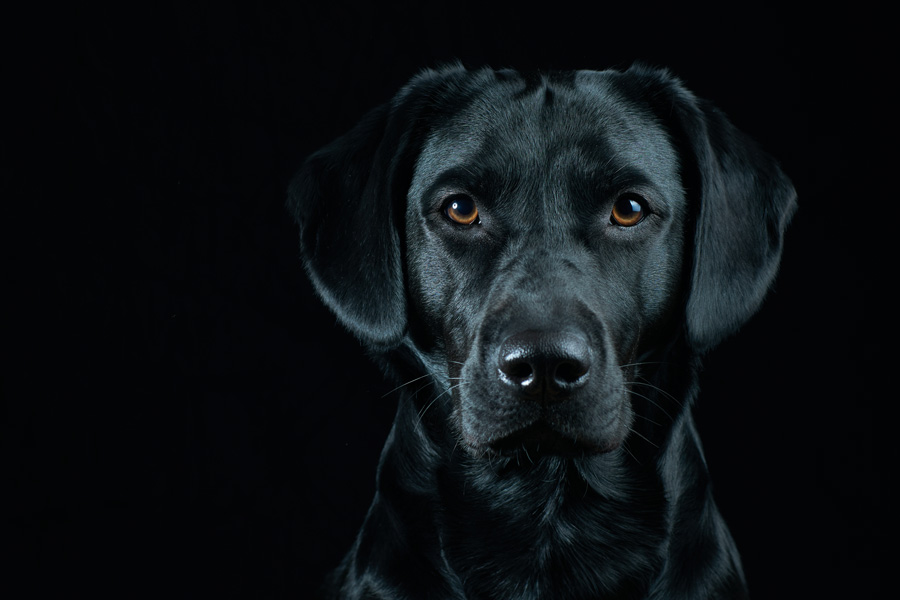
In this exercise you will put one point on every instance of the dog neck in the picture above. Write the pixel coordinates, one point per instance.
(520, 525)
(516, 527)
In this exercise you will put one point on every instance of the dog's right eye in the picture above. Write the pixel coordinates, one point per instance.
(461, 209)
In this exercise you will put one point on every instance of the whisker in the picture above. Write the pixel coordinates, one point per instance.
(416, 393)
(648, 419)
(654, 403)
(425, 408)
(406, 384)
(642, 437)
(630, 453)
(435, 399)
(640, 364)
(658, 389)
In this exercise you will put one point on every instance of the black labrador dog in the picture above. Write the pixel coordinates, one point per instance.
(542, 260)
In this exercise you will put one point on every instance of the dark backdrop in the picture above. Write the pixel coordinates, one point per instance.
(182, 416)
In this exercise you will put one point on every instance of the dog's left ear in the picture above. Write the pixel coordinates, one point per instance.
(746, 202)
(745, 205)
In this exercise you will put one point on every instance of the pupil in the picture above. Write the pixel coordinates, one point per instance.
(462, 206)
(628, 207)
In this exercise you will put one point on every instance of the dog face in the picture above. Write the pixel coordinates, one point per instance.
(551, 254)
(531, 241)
(545, 225)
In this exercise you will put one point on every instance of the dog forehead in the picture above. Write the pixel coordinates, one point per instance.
(528, 124)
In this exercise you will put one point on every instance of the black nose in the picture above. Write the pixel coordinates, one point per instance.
(546, 365)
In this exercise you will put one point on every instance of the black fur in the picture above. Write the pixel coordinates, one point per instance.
(543, 445)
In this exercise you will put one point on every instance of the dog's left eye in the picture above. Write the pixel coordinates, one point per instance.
(461, 209)
(628, 210)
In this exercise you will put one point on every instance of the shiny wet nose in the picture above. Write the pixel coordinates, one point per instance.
(544, 365)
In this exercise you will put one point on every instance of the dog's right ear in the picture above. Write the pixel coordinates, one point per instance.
(349, 199)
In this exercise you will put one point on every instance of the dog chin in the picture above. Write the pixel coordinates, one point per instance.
(536, 441)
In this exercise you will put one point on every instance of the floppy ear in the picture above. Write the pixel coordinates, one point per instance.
(746, 203)
(349, 199)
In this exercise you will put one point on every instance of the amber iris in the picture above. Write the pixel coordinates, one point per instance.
(461, 209)
(627, 211)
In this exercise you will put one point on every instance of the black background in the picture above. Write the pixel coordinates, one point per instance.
(181, 416)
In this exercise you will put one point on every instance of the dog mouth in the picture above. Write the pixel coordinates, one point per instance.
(540, 439)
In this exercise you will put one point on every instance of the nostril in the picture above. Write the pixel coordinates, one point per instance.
(516, 369)
(569, 372)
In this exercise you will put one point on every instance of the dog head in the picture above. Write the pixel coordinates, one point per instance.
(533, 239)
